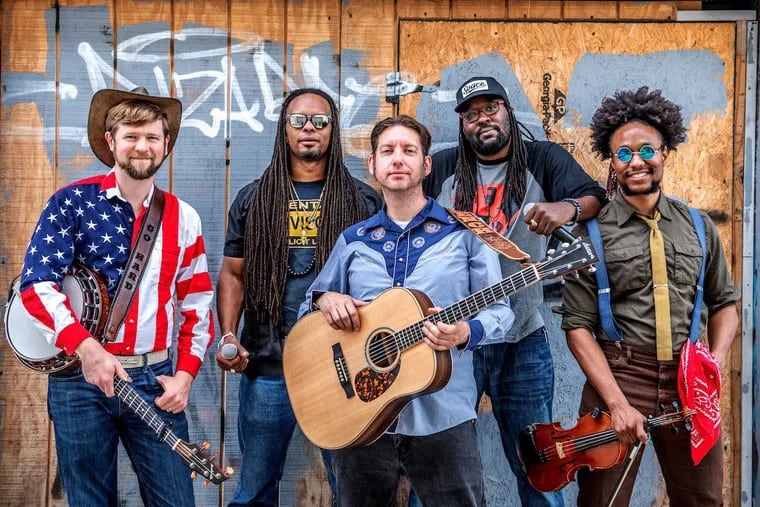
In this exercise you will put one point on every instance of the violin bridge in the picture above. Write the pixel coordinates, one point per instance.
(560, 450)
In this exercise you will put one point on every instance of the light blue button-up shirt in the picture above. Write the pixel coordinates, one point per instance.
(439, 256)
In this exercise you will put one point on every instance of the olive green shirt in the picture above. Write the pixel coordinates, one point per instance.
(626, 248)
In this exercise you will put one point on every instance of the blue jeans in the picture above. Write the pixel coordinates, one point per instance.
(444, 469)
(519, 378)
(265, 426)
(88, 426)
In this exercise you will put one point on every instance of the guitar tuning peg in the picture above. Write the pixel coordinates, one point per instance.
(661, 406)
(687, 424)
(575, 275)
(592, 269)
(676, 406)
(674, 430)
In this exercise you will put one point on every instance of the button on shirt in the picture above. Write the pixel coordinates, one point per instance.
(89, 222)
(626, 248)
(434, 254)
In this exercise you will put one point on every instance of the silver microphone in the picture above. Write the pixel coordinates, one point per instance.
(229, 351)
(560, 233)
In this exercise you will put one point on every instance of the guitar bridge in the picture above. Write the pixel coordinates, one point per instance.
(339, 361)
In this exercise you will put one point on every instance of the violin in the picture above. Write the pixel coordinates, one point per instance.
(551, 456)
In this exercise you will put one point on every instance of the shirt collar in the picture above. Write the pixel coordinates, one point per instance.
(431, 210)
(624, 211)
(110, 188)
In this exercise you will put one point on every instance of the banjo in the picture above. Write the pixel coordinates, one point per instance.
(89, 302)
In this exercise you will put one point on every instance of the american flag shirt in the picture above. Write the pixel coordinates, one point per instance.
(90, 223)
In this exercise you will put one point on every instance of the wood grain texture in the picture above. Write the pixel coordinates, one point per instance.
(27, 177)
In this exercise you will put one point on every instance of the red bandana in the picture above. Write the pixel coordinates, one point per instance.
(699, 390)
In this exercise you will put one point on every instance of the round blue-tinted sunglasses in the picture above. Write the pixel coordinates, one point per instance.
(646, 152)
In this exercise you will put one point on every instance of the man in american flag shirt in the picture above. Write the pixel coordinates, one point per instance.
(95, 222)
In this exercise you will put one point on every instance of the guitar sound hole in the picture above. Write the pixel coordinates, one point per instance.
(382, 350)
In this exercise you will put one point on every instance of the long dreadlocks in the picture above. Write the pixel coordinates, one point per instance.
(466, 171)
(266, 231)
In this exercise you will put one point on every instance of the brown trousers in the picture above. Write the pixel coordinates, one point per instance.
(647, 383)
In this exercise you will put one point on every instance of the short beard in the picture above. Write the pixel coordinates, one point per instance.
(653, 189)
(133, 173)
(488, 147)
(309, 154)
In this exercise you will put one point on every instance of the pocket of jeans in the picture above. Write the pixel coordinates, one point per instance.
(687, 264)
(73, 375)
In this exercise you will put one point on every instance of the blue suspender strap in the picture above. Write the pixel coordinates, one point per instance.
(696, 314)
(610, 326)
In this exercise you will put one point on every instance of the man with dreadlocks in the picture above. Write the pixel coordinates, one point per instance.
(280, 232)
(495, 174)
(640, 229)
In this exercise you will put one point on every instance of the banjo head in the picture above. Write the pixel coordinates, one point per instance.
(85, 292)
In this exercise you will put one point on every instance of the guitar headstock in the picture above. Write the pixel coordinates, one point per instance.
(196, 459)
(568, 258)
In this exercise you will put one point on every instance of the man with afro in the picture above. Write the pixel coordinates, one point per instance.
(643, 231)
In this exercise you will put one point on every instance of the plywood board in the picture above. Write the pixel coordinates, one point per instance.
(368, 80)
(27, 177)
(557, 75)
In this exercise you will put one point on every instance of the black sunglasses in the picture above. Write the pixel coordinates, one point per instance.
(298, 120)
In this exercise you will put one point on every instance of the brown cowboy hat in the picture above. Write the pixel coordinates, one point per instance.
(104, 100)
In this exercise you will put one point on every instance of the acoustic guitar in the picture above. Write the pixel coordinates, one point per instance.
(346, 387)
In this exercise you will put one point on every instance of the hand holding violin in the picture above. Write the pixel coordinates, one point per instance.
(551, 455)
(628, 423)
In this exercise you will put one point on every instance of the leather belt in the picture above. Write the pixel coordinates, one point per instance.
(144, 359)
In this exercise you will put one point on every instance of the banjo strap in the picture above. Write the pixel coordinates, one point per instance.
(138, 260)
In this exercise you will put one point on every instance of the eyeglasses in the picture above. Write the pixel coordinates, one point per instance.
(473, 114)
(298, 120)
(646, 152)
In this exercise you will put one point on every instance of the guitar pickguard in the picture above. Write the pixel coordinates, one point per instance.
(370, 384)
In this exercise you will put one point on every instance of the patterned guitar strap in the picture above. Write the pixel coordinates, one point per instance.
(138, 260)
(488, 236)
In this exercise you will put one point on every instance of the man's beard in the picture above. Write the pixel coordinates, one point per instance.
(137, 174)
(653, 189)
(491, 146)
(314, 154)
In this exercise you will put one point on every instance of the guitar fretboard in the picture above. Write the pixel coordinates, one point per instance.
(469, 306)
(144, 411)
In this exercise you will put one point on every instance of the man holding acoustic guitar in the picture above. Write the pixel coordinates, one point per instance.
(637, 325)
(412, 243)
(99, 224)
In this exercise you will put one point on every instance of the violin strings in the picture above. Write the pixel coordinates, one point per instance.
(570, 447)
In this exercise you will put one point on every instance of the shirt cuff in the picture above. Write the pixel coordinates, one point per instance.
(476, 335)
(190, 364)
(71, 336)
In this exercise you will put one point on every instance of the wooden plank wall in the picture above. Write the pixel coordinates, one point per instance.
(230, 61)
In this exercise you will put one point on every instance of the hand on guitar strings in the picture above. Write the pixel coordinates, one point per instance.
(99, 366)
(340, 310)
(441, 336)
(235, 362)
